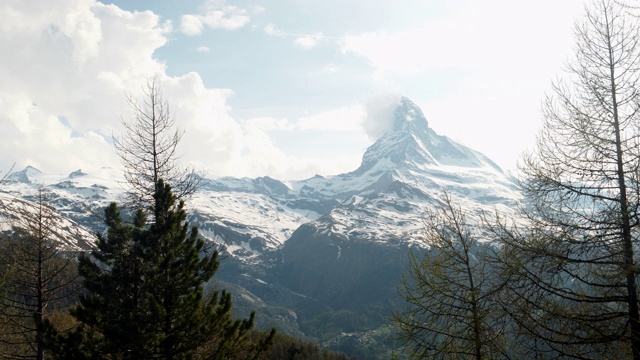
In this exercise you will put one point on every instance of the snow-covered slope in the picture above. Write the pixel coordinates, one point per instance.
(401, 176)
(17, 212)
(314, 247)
(246, 216)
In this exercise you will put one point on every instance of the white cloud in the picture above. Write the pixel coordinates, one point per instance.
(72, 60)
(465, 39)
(272, 30)
(329, 69)
(203, 49)
(268, 123)
(314, 144)
(303, 41)
(216, 15)
(62, 88)
(379, 116)
(342, 119)
(257, 9)
(191, 25)
(308, 41)
(62, 96)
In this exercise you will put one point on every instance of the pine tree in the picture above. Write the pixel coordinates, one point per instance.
(116, 305)
(145, 295)
(176, 274)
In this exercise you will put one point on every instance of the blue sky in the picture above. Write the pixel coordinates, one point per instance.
(285, 88)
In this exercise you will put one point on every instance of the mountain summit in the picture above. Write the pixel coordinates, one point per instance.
(26, 175)
(413, 143)
(402, 175)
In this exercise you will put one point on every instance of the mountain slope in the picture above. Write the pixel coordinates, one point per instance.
(70, 235)
(402, 175)
(318, 247)
(352, 257)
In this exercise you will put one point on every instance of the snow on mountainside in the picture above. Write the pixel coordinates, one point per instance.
(248, 216)
(353, 256)
(401, 175)
(76, 196)
(308, 254)
(70, 235)
(248, 223)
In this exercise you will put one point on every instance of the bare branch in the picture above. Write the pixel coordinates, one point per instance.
(573, 276)
(148, 148)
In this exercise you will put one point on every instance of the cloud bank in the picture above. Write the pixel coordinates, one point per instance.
(65, 74)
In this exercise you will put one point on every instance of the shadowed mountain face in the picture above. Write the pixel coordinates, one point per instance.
(300, 252)
(352, 257)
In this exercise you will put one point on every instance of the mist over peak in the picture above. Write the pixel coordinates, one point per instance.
(410, 142)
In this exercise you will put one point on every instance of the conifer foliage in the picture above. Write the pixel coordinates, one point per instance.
(145, 297)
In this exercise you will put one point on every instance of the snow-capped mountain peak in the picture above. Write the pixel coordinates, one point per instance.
(402, 174)
(25, 175)
(409, 117)
(413, 144)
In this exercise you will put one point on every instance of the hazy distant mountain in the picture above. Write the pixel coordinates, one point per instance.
(25, 175)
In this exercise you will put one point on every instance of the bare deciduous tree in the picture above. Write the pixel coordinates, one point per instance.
(450, 291)
(42, 278)
(573, 274)
(148, 147)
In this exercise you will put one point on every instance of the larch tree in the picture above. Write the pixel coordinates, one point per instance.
(42, 277)
(148, 148)
(573, 277)
(450, 292)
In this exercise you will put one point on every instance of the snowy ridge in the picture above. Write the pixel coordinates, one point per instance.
(70, 235)
(394, 210)
(247, 216)
(263, 221)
